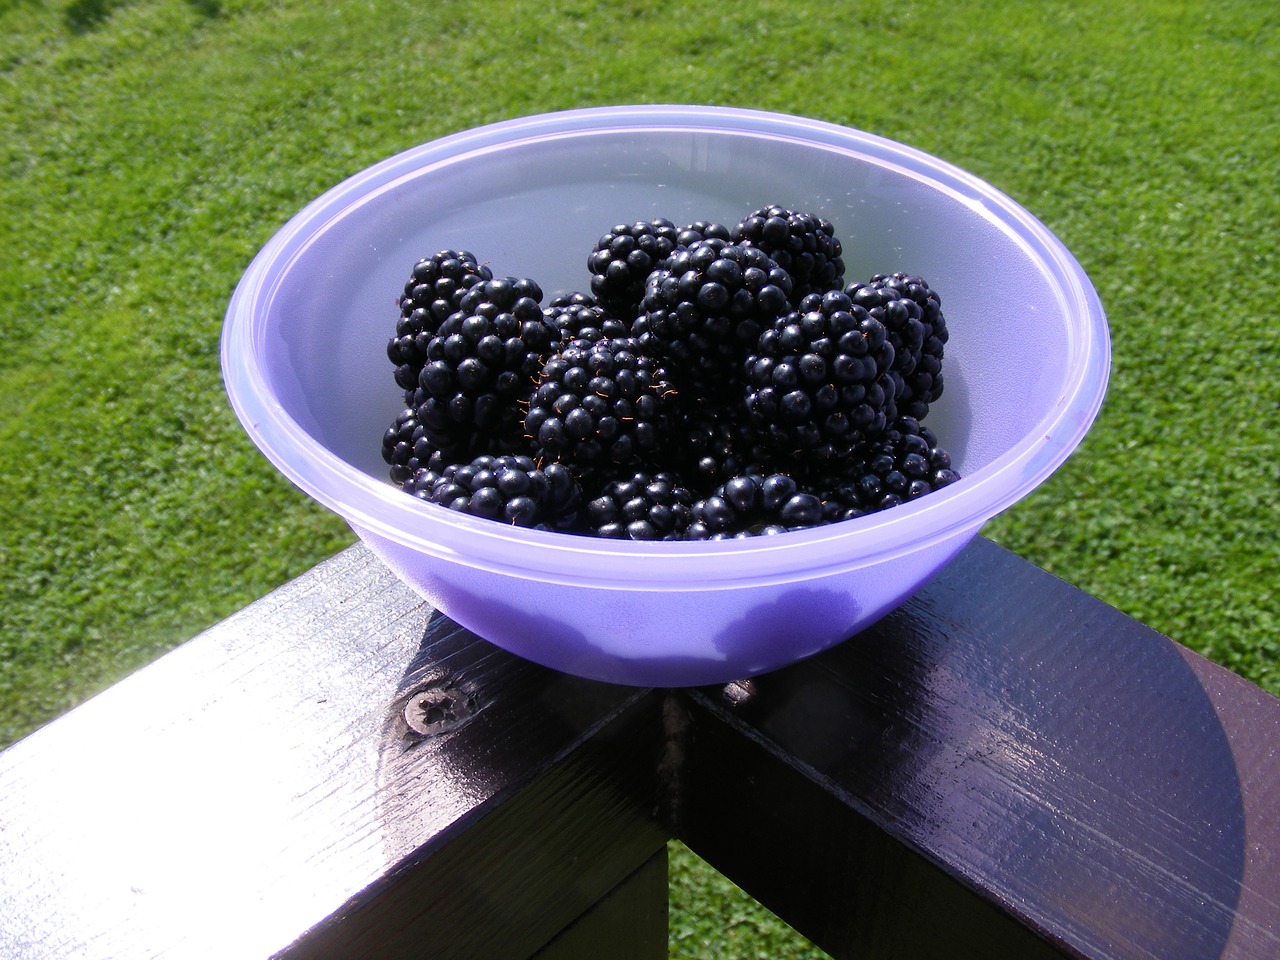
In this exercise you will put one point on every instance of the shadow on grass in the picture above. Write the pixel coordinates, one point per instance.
(81, 16)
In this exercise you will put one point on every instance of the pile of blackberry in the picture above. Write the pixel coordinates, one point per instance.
(712, 381)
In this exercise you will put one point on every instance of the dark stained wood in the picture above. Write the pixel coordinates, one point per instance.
(630, 923)
(1250, 720)
(1051, 756)
(821, 864)
(261, 781)
(569, 774)
(1003, 767)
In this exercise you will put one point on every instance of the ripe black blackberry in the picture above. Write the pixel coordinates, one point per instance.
(433, 292)
(581, 318)
(643, 506)
(803, 244)
(462, 427)
(696, 232)
(755, 505)
(407, 450)
(707, 309)
(710, 445)
(480, 366)
(512, 489)
(818, 383)
(624, 257)
(691, 233)
(912, 314)
(499, 294)
(598, 403)
(904, 464)
(573, 298)
(420, 482)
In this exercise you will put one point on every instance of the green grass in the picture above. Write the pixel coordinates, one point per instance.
(149, 148)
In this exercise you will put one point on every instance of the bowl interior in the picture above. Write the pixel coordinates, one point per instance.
(304, 356)
(534, 206)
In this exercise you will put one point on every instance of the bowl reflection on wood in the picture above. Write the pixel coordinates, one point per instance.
(305, 364)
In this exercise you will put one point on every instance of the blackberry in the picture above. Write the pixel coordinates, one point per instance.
(573, 298)
(512, 489)
(803, 244)
(597, 403)
(754, 505)
(420, 482)
(497, 294)
(480, 366)
(642, 507)
(903, 465)
(584, 319)
(818, 384)
(706, 310)
(454, 426)
(406, 448)
(710, 445)
(715, 382)
(691, 233)
(837, 506)
(433, 292)
(912, 315)
(623, 258)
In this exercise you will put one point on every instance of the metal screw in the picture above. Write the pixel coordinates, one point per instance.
(739, 692)
(429, 711)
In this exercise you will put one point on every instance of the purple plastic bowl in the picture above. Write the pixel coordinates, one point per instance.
(304, 361)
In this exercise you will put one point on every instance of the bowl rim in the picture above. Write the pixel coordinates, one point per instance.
(374, 505)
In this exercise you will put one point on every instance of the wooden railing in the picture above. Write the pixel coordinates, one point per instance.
(1004, 767)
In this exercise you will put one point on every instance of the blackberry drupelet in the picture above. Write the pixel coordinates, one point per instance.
(912, 314)
(481, 365)
(818, 383)
(902, 465)
(803, 244)
(511, 488)
(642, 507)
(753, 505)
(706, 310)
(433, 292)
(623, 258)
(599, 403)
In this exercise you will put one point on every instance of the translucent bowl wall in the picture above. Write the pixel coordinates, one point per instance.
(304, 357)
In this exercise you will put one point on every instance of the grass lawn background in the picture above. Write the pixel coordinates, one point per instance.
(150, 148)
